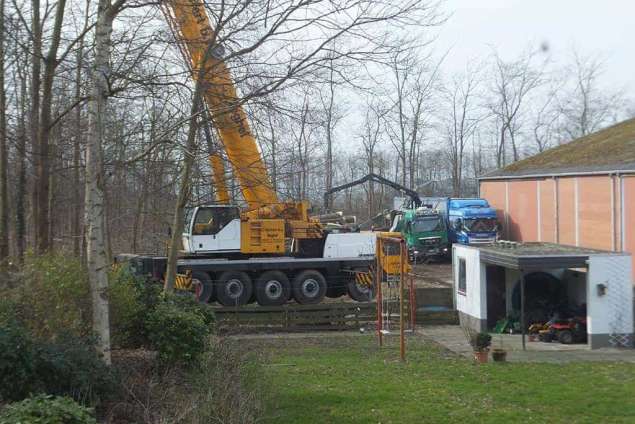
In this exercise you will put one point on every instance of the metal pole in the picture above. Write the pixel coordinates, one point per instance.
(413, 304)
(402, 266)
(522, 307)
(378, 299)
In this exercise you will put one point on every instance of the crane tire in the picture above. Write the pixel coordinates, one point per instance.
(203, 286)
(234, 288)
(309, 287)
(272, 288)
(360, 286)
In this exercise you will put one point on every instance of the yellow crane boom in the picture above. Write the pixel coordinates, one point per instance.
(197, 35)
(267, 221)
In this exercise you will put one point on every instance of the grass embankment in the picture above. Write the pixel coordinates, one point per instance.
(350, 380)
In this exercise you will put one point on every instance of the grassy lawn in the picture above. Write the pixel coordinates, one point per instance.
(348, 379)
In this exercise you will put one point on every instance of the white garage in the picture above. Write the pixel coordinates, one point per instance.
(534, 282)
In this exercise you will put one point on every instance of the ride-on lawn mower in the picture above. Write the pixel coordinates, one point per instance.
(568, 331)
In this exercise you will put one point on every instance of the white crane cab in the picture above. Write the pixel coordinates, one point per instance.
(212, 229)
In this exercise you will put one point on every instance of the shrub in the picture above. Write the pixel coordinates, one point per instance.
(224, 387)
(18, 374)
(51, 296)
(177, 334)
(8, 309)
(126, 310)
(47, 410)
(189, 303)
(132, 299)
(68, 367)
(72, 367)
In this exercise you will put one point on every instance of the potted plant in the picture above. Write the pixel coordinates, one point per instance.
(480, 343)
(499, 354)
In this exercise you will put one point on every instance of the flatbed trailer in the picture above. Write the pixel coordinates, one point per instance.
(270, 281)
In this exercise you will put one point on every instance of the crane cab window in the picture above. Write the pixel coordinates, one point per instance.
(209, 221)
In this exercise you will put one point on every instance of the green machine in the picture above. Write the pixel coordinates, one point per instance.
(423, 227)
(425, 232)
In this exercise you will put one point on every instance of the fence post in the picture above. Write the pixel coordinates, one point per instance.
(378, 272)
(402, 274)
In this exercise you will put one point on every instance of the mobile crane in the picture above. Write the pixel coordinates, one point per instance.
(236, 256)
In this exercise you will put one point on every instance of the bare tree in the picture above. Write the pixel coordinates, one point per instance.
(95, 214)
(332, 117)
(461, 122)
(512, 83)
(370, 135)
(545, 122)
(4, 152)
(415, 79)
(185, 186)
(585, 105)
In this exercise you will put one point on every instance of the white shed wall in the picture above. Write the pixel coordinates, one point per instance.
(610, 316)
(473, 302)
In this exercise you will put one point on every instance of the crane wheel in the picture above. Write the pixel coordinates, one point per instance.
(234, 288)
(203, 286)
(273, 288)
(309, 287)
(360, 286)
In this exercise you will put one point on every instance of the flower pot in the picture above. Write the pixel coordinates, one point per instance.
(499, 355)
(481, 356)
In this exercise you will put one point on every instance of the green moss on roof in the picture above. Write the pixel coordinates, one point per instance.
(612, 146)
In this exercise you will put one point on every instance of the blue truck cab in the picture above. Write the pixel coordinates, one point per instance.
(469, 221)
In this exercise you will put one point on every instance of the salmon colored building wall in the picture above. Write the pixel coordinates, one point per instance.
(547, 228)
(588, 211)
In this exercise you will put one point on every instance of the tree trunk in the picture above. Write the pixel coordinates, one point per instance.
(329, 140)
(4, 175)
(76, 231)
(274, 164)
(43, 168)
(185, 185)
(34, 112)
(97, 259)
(20, 213)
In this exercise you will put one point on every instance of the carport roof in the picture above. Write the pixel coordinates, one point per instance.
(536, 255)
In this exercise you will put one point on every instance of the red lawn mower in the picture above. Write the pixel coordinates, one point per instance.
(566, 331)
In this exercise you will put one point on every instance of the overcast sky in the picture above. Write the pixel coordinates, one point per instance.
(606, 27)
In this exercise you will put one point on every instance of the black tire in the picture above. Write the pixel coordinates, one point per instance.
(273, 288)
(565, 337)
(234, 288)
(203, 287)
(309, 287)
(546, 337)
(358, 290)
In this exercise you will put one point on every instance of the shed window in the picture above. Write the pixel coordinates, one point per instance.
(462, 276)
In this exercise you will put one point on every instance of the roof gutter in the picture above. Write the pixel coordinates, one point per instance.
(557, 174)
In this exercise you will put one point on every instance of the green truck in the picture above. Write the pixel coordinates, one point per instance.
(424, 228)
(425, 232)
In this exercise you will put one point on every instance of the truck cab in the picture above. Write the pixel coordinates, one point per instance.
(472, 221)
(211, 229)
(425, 232)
